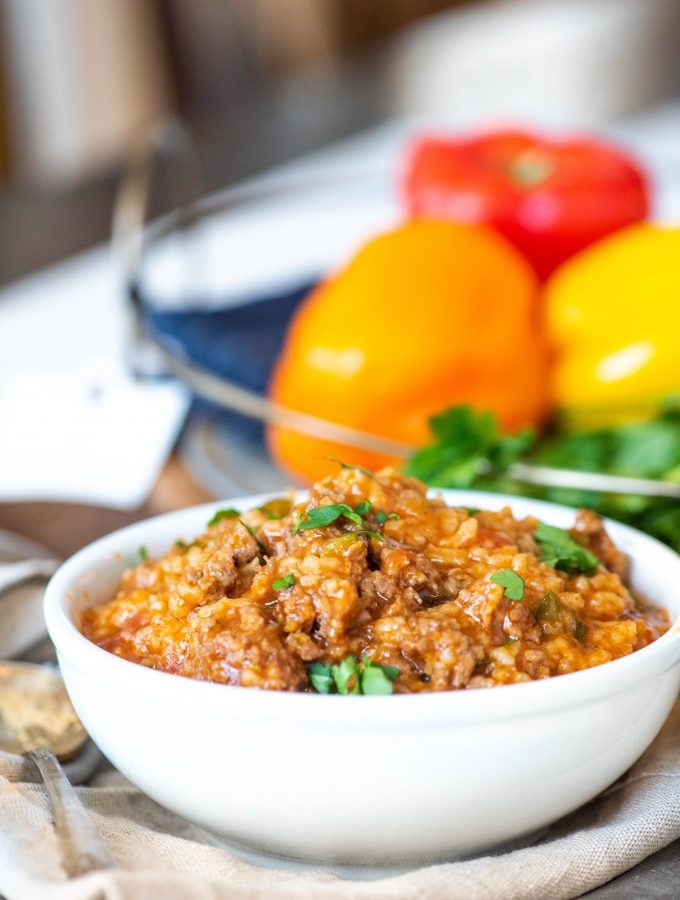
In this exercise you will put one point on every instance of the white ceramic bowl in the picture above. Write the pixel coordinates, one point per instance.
(365, 780)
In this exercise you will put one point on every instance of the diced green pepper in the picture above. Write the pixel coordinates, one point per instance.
(554, 617)
(276, 508)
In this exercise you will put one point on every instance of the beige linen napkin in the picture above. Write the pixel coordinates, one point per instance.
(162, 856)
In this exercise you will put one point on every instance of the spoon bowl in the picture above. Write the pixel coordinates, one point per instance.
(38, 721)
(36, 713)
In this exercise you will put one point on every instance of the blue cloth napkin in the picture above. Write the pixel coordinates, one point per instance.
(240, 343)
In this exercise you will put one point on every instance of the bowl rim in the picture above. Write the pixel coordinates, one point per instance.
(527, 699)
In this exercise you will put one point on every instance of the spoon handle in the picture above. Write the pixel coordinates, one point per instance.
(83, 849)
(13, 574)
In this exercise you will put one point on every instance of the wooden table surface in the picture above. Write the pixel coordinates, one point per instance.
(66, 527)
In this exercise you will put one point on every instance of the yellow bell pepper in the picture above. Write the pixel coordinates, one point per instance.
(613, 315)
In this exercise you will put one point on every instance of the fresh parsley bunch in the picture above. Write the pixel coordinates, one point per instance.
(469, 450)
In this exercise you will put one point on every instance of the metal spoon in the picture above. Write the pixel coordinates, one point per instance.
(15, 573)
(25, 568)
(38, 721)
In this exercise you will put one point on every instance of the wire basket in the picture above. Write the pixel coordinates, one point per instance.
(210, 287)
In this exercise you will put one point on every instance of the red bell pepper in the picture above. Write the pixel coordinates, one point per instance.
(549, 197)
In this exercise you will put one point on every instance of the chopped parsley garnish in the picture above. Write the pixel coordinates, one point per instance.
(472, 510)
(322, 516)
(382, 517)
(377, 679)
(321, 677)
(352, 677)
(560, 551)
(369, 533)
(284, 582)
(143, 553)
(181, 545)
(344, 465)
(347, 676)
(511, 581)
(251, 531)
(223, 514)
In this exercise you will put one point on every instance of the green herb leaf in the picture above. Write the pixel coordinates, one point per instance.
(377, 679)
(321, 677)
(352, 677)
(511, 581)
(284, 582)
(467, 450)
(392, 672)
(143, 554)
(347, 676)
(467, 446)
(645, 449)
(363, 508)
(560, 551)
(344, 465)
(369, 533)
(472, 510)
(251, 531)
(382, 517)
(322, 516)
(223, 514)
(510, 642)
(663, 521)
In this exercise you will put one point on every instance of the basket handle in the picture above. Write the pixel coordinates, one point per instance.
(167, 145)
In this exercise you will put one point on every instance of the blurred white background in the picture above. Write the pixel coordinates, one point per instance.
(261, 81)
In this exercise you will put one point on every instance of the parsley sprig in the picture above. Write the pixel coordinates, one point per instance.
(560, 551)
(381, 517)
(511, 582)
(322, 516)
(223, 514)
(344, 465)
(352, 676)
(467, 449)
(251, 531)
(363, 509)
(284, 582)
(369, 533)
